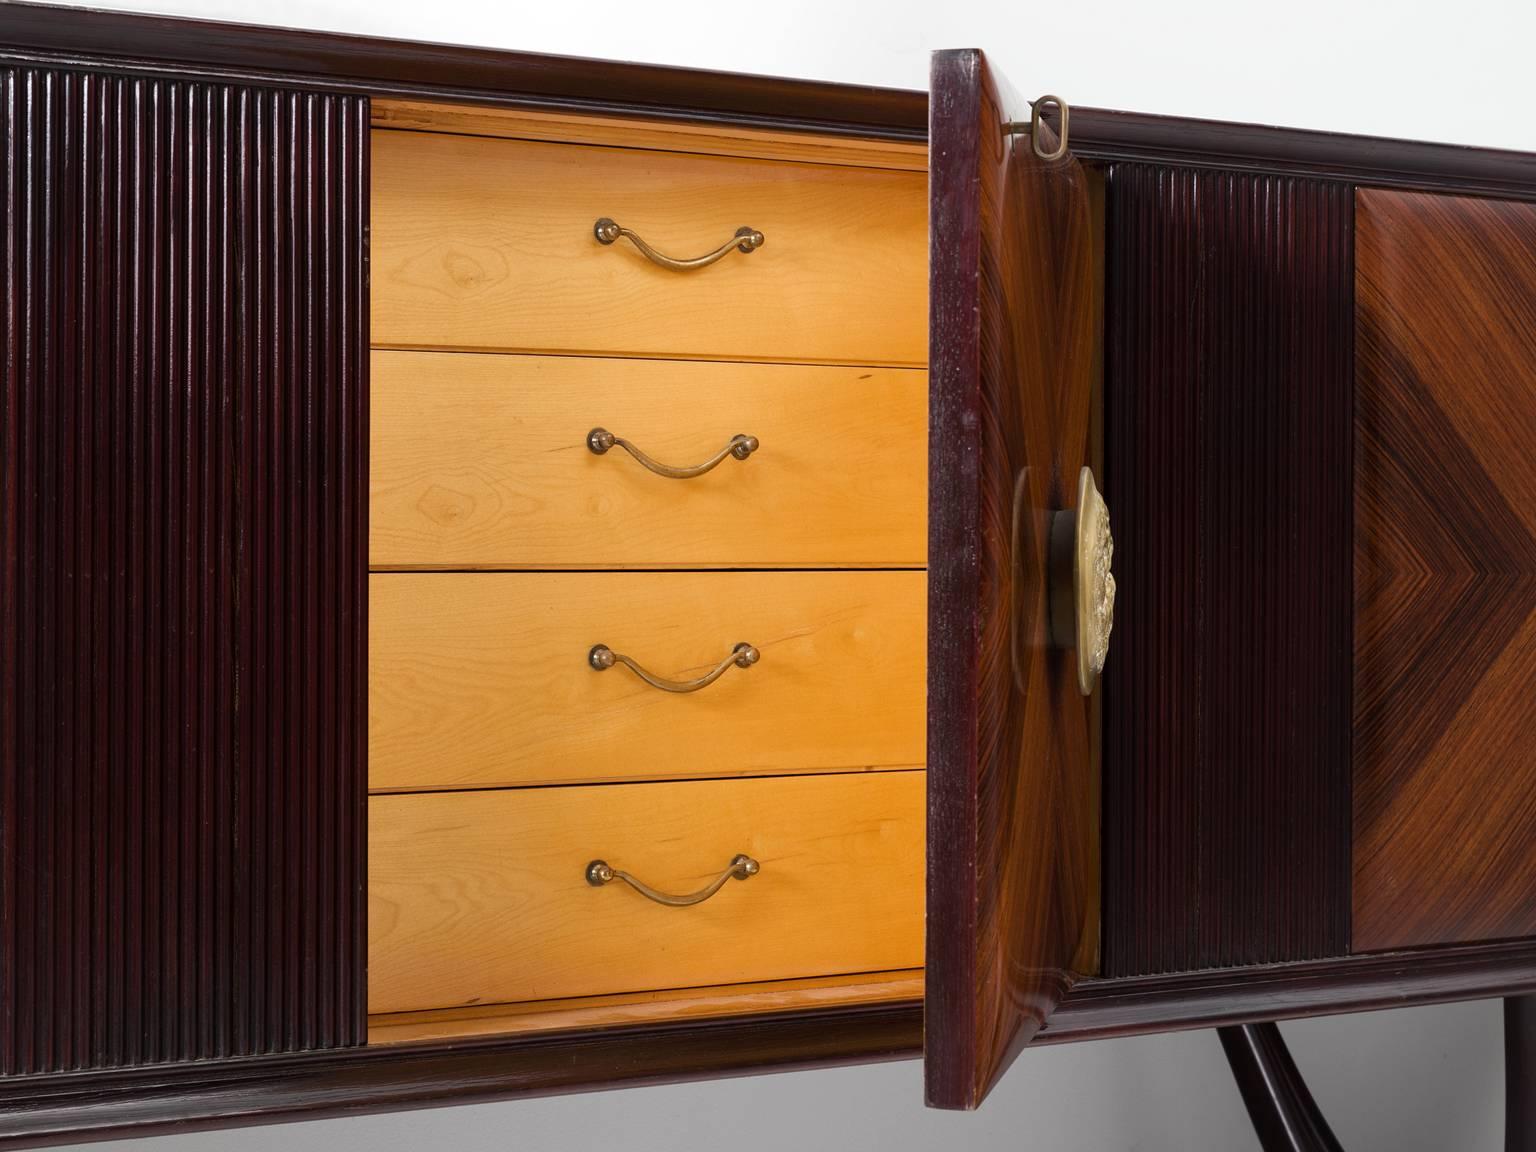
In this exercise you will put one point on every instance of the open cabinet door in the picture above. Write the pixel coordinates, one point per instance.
(1013, 801)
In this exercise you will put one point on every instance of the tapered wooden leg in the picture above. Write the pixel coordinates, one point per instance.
(1520, 1074)
(1282, 1110)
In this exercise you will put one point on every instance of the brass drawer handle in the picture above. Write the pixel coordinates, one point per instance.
(603, 658)
(599, 440)
(747, 240)
(741, 867)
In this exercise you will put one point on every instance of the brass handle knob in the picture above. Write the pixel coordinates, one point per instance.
(746, 240)
(602, 658)
(1082, 586)
(741, 867)
(600, 440)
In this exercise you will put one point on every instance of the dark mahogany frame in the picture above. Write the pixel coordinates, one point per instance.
(68, 1107)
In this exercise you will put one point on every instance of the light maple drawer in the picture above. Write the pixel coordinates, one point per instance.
(483, 897)
(484, 462)
(485, 679)
(481, 243)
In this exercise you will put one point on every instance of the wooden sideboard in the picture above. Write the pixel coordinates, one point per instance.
(411, 573)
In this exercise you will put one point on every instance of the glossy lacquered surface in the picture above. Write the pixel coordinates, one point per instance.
(1445, 570)
(1012, 751)
(182, 506)
(1229, 396)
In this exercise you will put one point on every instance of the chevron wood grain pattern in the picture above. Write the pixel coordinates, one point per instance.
(1227, 428)
(183, 512)
(1013, 853)
(1445, 570)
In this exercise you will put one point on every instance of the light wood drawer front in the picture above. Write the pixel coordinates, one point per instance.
(481, 897)
(482, 462)
(488, 244)
(482, 679)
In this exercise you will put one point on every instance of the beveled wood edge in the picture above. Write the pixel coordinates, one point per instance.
(163, 1099)
(63, 1108)
(40, 1111)
(1128, 1006)
(375, 66)
(1104, 135)
(327, 61)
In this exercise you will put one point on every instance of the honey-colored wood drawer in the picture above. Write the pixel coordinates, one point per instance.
(482, 462)
(480, 243)
(482, 897)
(483, 679)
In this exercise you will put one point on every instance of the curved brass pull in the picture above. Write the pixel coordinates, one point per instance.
(603, 658)
(741, 867)
(599, 440)
(746, 240)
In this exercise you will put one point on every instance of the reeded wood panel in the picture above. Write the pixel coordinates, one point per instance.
(1013, 853)
(482, 462)
(182, 614)
(481, 679)
(1445, 570)
(1228, 402)
(487, 244)
(482, 898)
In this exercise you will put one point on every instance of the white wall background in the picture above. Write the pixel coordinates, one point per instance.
(1414, 1080)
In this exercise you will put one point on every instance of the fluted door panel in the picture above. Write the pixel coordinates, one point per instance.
(183, 435)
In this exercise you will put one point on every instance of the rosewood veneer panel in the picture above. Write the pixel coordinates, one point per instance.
(183, 424)
(1445, 570)
(1013, 827)
(1227, 448)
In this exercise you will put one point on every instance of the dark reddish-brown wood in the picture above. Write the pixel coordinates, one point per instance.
(183, 511)
(1127, 1005)
(1445, 570)
(1228, 399)
(67, 1108)
(1284, 1115)
(1012, 756)
(146, 53)
(375, 66)
(1107, 136)
(1520, 1074)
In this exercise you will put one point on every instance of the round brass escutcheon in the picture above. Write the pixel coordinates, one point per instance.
(1093, 581)
(1082, 587)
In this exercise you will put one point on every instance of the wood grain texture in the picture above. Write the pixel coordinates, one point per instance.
(482, 462)
(1445, 570)
(182, 617)
(1013, 849)
(1227, 692)
(903, 986)
(482, 897)
(487, 244)
(627, 132)
(480, 680)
